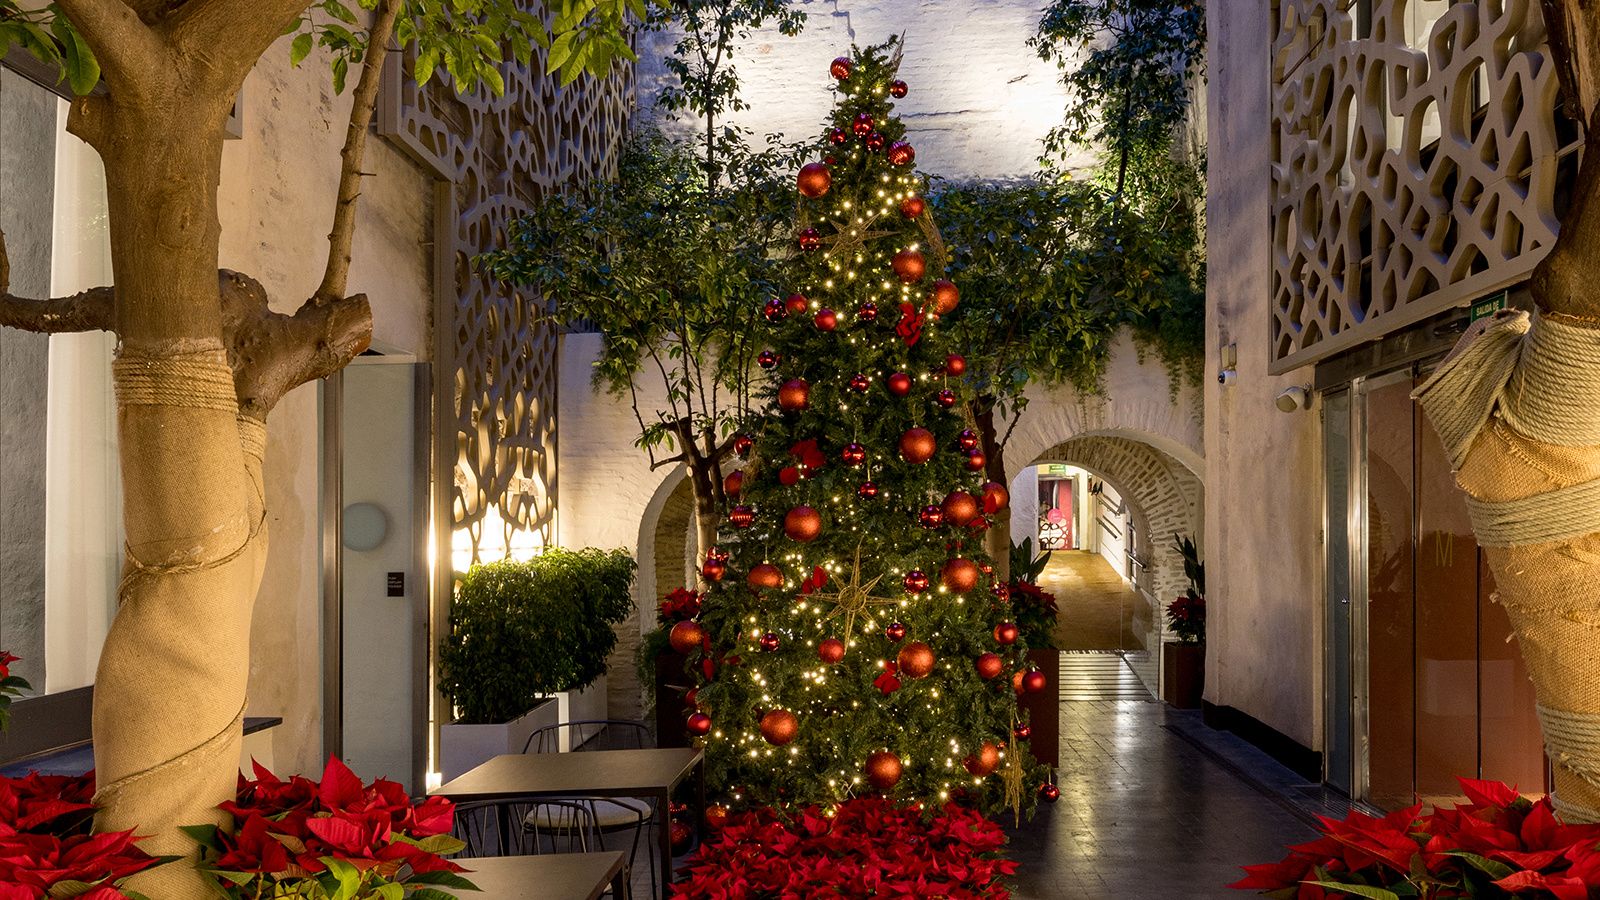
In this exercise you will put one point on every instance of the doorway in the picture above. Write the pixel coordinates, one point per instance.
(375, 567)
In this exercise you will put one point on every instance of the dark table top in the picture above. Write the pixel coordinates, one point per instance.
(78, 759)
(591, 773)
(549, 876)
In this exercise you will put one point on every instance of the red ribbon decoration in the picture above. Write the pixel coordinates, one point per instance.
(910, 326)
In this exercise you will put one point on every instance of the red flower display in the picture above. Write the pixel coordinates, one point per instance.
(679, 605)
(1497, 844)
(868, 847)
(46, 849)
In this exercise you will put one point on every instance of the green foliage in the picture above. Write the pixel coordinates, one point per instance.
(1186, 616)
(1024, 565)
(467, 39)
(931, 723)
(665, 268)
(702, 58)
(522, 629)
(1127, 66)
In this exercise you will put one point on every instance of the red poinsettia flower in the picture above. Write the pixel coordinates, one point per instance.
(678, 605)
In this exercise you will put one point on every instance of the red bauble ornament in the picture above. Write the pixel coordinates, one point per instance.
(995, 497)
(884, 770)
(686, 637)
(853, 454)
(831, 650)
(899, 384)
(916, 659)
(698, 724)
(733, 484)
(814, 179)
(796, 304)
(916, 581)
(1034, 681)
(960, 507)
(909, 266)
(774, 310)
(1016, 681)
(779, 727)
(959, 575)
(967, 440)
(895, 631)
(766, 359)
(945, 298)
(794, 395)
(862, 125)
(912, 207)
(1001, 591)
(802, 524)
(898, 88)
(1023, 732)
(955, 363)
(764, 576)
(1006, 633)
(867, 490)
(825, 320)
(945, 398)
(985, 761)
(901, 154)
(841, 68)
(875, 142)
(867, 312)
(716, 816)
(808, 239)
(931, 516)
(769, 641)
(680, 836)
(989, 665)
(1049, 792)
(742, 444)
(859, 383)
(789, 476)
(713, 569)
(741, 516)
(838, 136)
(976, 461)
(917, 446)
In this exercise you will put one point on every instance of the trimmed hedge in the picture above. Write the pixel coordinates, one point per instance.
(522, 629)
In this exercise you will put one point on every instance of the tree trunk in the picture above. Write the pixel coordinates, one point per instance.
(170, 689)
(997, 541)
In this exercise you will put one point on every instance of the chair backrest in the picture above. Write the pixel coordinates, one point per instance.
(521, 828)
(591, 734)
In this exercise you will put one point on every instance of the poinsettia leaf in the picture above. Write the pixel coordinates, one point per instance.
(204, 835)
(1357, 890)
(235, 877)
(444, 879)
(1496, 870)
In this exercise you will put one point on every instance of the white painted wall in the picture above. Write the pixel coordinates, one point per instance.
(1113, 547)
(1263, 476)
(980, 100)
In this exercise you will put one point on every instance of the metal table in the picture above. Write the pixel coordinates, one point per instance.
(548, 876)
(652, 774)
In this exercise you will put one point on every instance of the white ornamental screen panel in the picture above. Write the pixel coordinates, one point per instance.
(497, 351)
(1416, 153)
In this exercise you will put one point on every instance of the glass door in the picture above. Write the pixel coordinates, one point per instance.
(1338, 705)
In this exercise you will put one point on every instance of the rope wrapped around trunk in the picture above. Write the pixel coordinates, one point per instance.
(1515, 405)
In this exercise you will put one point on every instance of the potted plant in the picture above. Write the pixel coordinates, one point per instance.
(1035, 611)
(527, 647)
(664, 671)
(1183, 661)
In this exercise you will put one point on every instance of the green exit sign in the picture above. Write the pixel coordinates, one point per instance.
(1488, 306)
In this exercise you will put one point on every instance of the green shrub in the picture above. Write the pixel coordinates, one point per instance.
(522, 629)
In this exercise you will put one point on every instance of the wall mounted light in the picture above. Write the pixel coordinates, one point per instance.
(1294, 398)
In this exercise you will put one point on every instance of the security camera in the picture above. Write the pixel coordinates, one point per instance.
(1227, 377)
(1293, 398)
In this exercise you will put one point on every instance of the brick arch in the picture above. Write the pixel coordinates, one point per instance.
(1164, 497)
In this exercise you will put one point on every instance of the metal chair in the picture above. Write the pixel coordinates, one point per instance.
(486, 827)
(610, 815)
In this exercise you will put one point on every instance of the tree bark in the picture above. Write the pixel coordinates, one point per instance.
(997, 541)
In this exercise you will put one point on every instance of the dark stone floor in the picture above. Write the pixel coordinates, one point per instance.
(1147, 812)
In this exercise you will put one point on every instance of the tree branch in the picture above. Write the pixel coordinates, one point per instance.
(86, 311)
(230, 34)
(1563, 281)
(128, 50)
(337, 272)
(272, 353)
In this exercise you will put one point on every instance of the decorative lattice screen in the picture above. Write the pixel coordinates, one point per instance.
(1415, 159)
(497, 154)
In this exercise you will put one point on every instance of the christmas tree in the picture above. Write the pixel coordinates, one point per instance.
(853, 638)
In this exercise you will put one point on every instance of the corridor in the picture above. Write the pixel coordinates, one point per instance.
(1098, 609)
(1147, 812)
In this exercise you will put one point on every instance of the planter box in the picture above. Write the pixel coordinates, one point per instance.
(582, 705)
(673, 681)
(1183, 674)
(1044, 708)
(464, 747)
